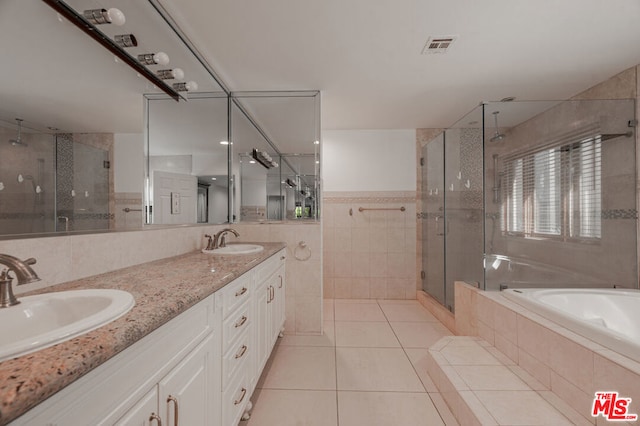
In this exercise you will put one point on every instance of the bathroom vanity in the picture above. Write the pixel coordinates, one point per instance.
(190, 352)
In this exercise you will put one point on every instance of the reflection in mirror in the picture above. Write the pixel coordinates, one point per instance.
(286, 126)
(82, 158)
(187, 159)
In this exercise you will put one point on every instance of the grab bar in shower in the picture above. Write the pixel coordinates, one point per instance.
(361, 209)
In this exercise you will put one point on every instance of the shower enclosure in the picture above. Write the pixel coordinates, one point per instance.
(531, 194)
(52, 182)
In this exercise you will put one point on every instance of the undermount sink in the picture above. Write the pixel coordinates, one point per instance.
(236, 249)
(44, 320)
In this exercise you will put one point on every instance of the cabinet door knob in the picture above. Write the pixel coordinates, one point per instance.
(173, 399)
(283, 257)
(241, 292)
(238, 401)
(241, 352)
(155, 417)
(241, 322)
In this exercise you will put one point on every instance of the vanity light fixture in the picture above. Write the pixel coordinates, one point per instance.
(263, 158)
(116, 46)
(103, 16)
(175, 73)
(159, 58)
(291, 183)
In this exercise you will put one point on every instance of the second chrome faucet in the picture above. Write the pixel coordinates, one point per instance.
(219, 239)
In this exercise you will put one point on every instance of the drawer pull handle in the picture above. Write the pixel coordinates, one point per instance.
(241, 352)
(241, 292)
(238, 401)
(173, 399)
(280, 285)
(269, 295)
(241, 322)
(155, 417)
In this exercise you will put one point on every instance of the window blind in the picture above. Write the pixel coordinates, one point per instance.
(554, 191)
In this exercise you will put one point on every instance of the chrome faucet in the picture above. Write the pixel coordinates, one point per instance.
(219, 239)
(24, 275)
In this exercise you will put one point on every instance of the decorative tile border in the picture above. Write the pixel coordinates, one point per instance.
(377, 197)
(619, 214)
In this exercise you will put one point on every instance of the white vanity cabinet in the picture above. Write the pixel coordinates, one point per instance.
(180, 360)
(269, 306)
(198, 369)
(182, 397)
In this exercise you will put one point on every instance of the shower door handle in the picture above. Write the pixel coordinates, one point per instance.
(438, 217)
(446, 227)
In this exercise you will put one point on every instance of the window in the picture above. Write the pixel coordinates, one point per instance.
(554, 192)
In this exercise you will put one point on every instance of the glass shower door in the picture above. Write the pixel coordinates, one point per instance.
(433, 219)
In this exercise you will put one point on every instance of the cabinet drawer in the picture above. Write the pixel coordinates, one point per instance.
(235, 360)
(270, 266)
(236, 323)
(235, 293)
(235, 399)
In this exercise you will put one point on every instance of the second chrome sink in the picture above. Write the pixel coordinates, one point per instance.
(236, 249)
(46, 319)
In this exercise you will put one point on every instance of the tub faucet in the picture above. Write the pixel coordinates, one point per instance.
(24, 275)
(219, 239)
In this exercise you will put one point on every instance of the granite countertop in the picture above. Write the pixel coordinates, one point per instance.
(162, 290)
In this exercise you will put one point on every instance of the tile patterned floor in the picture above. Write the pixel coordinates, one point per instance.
(368, 369)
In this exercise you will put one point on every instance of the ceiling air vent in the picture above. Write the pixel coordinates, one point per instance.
(438, 44)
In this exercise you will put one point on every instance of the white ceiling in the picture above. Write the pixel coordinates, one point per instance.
(365, 56)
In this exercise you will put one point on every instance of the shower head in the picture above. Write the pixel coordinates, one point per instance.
(498, 136)
(18, 140)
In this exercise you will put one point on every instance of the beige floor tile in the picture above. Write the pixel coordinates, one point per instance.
(386, 409)
(376, 369)
(520, 408)
(419, 334)
(301, 367)
(490, 377)
(294, 408)
(418, 358)
(406, 312)
(327, 338)
(371, 334)
(358, 311)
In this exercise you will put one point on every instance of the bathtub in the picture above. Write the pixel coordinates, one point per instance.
(608, 317)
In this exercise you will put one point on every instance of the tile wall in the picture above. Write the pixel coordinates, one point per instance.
(369, 254)
(66, 258)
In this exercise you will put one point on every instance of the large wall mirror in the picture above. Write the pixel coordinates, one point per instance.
(72, 125)
(285, 126)
(82, 134)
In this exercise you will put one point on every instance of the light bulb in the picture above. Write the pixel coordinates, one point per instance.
(189, 86)
(116, 17)
(160, 58)
(176, 73)
(102, 16)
